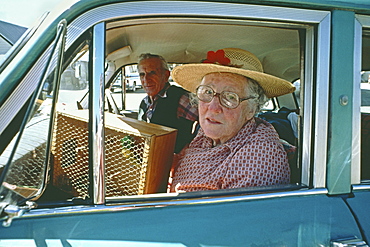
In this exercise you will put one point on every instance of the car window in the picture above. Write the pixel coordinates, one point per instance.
(138, 155)
(138, 146)
(24, 163)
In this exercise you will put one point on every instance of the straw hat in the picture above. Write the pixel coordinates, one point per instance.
(232, 60)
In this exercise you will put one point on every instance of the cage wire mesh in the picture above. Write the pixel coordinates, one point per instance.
(25, 175)
(126, 159)
(26, 171)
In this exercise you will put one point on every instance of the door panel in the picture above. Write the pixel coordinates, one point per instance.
(290, 221)
(360, 205)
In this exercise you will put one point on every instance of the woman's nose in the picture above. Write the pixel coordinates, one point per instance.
(215, 105)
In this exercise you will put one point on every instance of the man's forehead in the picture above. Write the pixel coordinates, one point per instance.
(151, 64)
(147, 69)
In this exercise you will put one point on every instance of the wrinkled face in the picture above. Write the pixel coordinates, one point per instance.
(152, 75)
(218, 122)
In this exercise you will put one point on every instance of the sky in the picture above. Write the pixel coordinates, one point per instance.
(25, 13)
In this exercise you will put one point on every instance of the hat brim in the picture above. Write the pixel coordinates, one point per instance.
(190, 76)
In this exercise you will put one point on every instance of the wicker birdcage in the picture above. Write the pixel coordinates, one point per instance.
(138, 155)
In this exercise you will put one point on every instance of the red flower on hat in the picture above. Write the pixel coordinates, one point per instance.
(217, 57)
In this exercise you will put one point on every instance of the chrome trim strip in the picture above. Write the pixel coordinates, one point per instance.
(204, 20)
(321, 107)
(171, 202)
(96, 142)
(364, 20)
(306, 95)
(359, 187)
(356, 112)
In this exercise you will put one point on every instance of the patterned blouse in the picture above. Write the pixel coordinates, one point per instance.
(254, 157)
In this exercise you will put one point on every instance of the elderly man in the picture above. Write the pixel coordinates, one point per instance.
(165, 104)
(233, 148)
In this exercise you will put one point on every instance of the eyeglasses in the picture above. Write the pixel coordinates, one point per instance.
(227, 99)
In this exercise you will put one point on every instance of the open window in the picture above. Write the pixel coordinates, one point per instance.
(98, 152)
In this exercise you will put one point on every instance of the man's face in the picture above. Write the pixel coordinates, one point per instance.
(152, 75)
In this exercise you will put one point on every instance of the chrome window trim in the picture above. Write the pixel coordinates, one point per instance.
(307, 114)
(96, 115)
(356, 112)
(362, 187)
(204, 20)
(120, 206)
(364, 20)
(321, 106)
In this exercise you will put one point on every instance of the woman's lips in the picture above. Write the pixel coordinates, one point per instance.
(212, 121)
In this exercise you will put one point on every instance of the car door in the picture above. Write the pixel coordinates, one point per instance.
(87, 186)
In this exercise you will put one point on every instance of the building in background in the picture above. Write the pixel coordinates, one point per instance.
(9, 34)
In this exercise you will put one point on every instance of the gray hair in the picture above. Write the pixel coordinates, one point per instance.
(149, 55)
(252, 88)
(255, 89)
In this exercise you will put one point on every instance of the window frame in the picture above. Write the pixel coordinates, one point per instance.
(314, 122)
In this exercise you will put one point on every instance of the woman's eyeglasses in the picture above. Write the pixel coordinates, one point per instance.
(227, 99)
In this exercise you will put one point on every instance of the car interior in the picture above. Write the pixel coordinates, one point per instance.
(179, 41)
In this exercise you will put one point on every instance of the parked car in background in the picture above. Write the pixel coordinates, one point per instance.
(76, 172)
(133, 82)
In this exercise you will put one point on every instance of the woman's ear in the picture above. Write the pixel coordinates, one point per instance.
(251, 112)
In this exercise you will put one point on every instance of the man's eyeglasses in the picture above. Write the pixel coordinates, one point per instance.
(227, 99)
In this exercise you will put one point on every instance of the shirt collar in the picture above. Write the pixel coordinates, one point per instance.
(248, 128)
(162, 94)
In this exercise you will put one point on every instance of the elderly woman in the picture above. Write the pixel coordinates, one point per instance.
(233, 148)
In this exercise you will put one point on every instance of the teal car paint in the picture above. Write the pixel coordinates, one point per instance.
(72, 181)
